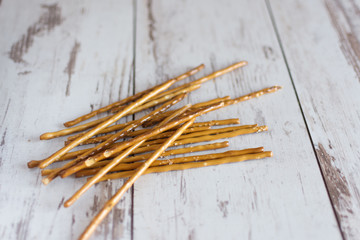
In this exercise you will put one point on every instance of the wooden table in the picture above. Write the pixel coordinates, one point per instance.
(59, 60)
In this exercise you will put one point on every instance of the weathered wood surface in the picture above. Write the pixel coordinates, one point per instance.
(324, 62)
(61, 60)
(279, 198)
(57, 61)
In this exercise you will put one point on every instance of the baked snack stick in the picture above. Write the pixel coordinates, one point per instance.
(116, 198)
(134, 165)
(104, 124)
(119, 158)
(198, 81)
(79, 160)
(156, 130)
(189, 165)
(112, 138)
(145, 156)
(128, 99)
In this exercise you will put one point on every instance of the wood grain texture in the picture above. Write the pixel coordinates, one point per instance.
(279, 198)
(58, 61)
(324, 59)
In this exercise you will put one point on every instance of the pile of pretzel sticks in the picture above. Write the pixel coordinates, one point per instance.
(131, 149)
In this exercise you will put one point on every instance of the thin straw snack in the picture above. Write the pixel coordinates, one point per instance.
(103, 125)
(188, 165)
(128, 99)
(152, 142)
(145, 156)
(116, 198)
(134, 165)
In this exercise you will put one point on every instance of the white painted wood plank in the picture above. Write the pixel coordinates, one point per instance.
(75, 55)
(279, 198)
(324, 61)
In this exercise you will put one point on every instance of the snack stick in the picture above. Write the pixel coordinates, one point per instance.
(116, 198)
(134, 165)
(77, 167)
(184, 166)
(128, 99)
(104, 124)
(118, 159)
(111, 139)
(157, 101)
(145, 156)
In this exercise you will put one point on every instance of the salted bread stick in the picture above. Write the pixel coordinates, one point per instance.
(116, 198)
(134, 165)
(69, 171)
(184, 166)
(157, 101)
(111, 139)
(103, 125)
(159, 129)
(115, 162)
(128, 99)
(140, 157)
(138, 132)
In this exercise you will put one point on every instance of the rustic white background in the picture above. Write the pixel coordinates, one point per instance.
(62, 59)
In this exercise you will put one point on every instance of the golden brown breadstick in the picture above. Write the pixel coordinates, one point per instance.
(73, 169)
(207, 78)
(189, 165)
(67, 131)
(141, 131)
(157, 101)
(128, 99)
(145, 156)
(103, 125)
(160, 117)
(85, 126)
(118, 159)
(197, 124)
(112, 138)
(116, 198)
(178, 142)
(158, 129)
(253, 95)
(134, 165)
(203, 133)
(123, 125)
(74, 154)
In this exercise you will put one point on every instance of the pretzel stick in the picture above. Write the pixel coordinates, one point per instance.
(67, 131)
(71, 170)
(199, 81)
(205, 138)
(157, 101)
(128, 99)
(138, 132)
(160, 117)
(116, 198)
(85, 126)
(135, 165)
(74, 154)
(204, 133)
(178, 142)
(253, 95)
(184, 166)
(112, 138)
(145, 156)
(80, 165)
(103, 125)
(159, 129)
(116, 161)
(208, 77)
(152, 122)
